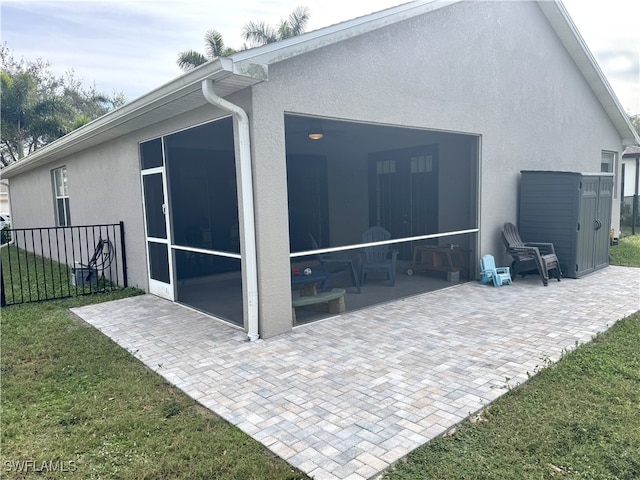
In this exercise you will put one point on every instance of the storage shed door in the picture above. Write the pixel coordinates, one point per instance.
(603, 220)
(594, 223)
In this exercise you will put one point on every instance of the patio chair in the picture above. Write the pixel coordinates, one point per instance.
(530, 257)
(378, 258)
(489, 272)
(335, 263)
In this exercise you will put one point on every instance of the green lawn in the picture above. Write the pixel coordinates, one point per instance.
(37, 278)
(627, 252)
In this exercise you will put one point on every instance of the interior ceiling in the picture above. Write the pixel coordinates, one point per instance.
(345, 135)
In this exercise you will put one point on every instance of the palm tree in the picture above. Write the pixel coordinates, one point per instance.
(37, 108)
(214, 47)
(28, 120)
(260, 33)
(256, 33)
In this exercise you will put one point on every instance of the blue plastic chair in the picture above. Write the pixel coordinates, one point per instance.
(489, 271)
(378, 258)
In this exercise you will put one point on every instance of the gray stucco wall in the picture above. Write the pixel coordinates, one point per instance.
(495, 69)
(492, 69)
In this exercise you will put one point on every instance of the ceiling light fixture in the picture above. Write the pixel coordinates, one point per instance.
(316, 136)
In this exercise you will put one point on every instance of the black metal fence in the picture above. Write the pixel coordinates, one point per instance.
(58, 262)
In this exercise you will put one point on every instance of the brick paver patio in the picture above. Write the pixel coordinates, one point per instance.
(348, 396)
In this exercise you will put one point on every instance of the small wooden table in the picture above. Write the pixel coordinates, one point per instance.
(438, 259)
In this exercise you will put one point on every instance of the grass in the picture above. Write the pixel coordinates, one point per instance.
(37, 278)
(627, 252)
(73, 397)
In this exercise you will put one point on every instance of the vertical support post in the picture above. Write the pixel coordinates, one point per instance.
(125, 282)
(3, 299)
(634, 210)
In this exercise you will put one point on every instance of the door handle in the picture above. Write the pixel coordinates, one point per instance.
(164, 208)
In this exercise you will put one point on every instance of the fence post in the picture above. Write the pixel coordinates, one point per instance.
(125, 282)
(3, 299)
(634, 209)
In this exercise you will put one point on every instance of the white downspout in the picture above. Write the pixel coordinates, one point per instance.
(246, 192)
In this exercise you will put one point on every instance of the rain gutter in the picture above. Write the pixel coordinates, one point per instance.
(246, 193)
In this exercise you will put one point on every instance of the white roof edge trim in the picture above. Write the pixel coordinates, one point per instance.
(191, 81)
(628, 134)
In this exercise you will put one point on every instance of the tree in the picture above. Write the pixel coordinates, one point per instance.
(260, 33)
(214, 47)
(257, 33)
(635, 121)
(37, 107)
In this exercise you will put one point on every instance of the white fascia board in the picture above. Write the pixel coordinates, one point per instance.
(570, 37)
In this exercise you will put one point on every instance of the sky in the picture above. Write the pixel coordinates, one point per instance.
(131, 46)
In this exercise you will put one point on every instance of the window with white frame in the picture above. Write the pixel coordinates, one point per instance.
(608, 165)
(61, 194)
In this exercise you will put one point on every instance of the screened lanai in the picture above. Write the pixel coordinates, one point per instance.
(420, 185)
(191, 207)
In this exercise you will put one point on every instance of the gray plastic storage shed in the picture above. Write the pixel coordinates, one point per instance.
(571, 210)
